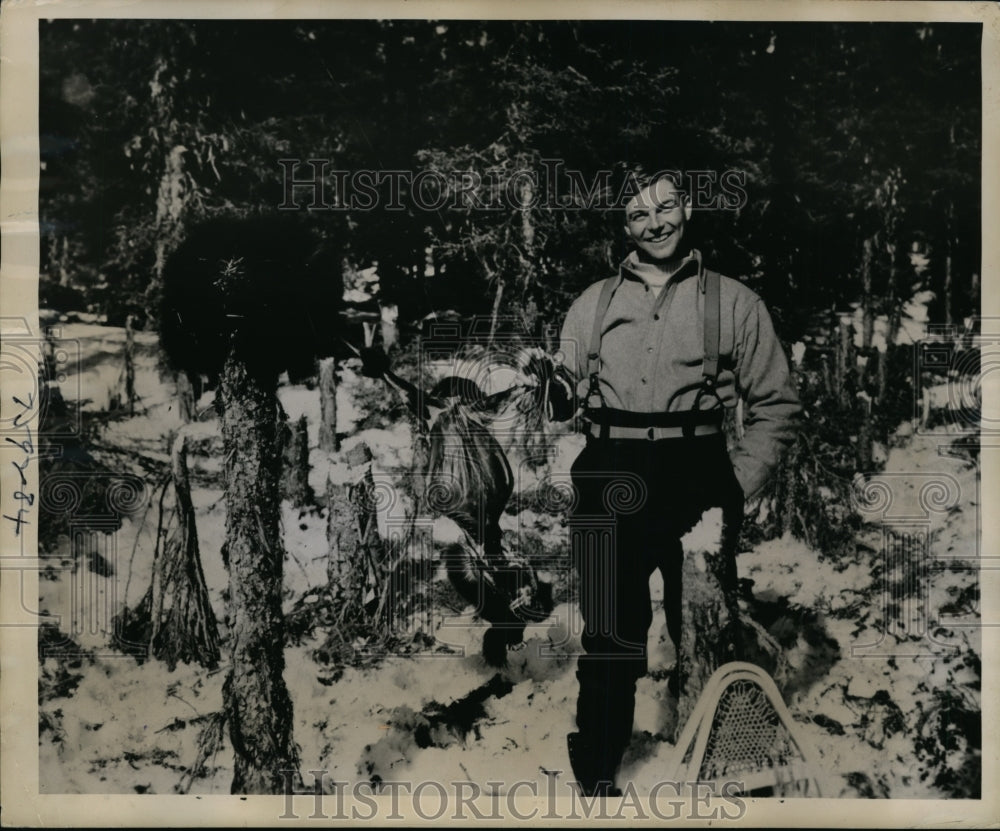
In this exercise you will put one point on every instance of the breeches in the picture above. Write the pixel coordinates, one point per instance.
(636, 499)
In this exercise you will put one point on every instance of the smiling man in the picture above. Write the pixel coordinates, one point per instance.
(657, 352)
(654, 221)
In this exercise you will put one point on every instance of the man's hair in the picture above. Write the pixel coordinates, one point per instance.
(634, 178)
(631, 179)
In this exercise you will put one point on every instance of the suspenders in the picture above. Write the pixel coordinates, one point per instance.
(605, 416)
(712, 335)
(594, 355)
(710, 362)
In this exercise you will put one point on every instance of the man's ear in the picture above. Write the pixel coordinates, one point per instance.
(688, 208)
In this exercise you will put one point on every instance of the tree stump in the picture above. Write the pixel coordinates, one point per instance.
(339, 519)
(714, 631)
(346, 571)
(709, 616)
(356, 569)
(182, 620)
(370, 553)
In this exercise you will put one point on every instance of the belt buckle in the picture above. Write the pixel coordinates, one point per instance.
(651, 433)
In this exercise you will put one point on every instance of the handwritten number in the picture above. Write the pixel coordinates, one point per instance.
(25, 497)
(18, 522)
(21, 469)
(27, 408)
(27, 446)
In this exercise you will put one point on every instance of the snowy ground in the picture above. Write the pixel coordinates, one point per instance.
(888, 695)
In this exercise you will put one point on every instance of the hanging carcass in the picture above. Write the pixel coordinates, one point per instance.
(469, 480)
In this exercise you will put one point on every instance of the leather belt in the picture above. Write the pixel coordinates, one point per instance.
(611, 423)
(651, 433)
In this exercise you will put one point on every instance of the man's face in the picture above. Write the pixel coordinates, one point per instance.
(655, 219)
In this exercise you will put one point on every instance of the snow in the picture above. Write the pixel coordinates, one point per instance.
(788, 568)
(912, 324)
(705, 537)
(865, 696)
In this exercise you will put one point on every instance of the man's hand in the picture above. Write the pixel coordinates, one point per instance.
(539, 369)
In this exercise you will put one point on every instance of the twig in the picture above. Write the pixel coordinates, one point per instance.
(172, 694)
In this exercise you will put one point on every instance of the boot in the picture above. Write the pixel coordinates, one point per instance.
(587, 767)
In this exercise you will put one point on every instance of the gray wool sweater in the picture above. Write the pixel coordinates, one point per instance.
(651, 355)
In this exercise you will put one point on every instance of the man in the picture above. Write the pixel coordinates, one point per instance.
(657, 352)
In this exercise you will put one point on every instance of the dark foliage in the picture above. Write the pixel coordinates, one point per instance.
(269, 287)
(62, 298)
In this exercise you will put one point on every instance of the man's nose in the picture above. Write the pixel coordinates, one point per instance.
(656, 221)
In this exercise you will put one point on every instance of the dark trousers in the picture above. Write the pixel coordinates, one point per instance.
(635, 500)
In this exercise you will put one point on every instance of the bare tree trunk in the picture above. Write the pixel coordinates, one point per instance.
(868, 314)
(130, 363)
(64, 263)
(827, 374)
(59, 258)
(882, 370)
(845, 361)
(884, 357)
(185, 397)
(294, 485)
(948, 287)
(257, 706)
(894, 316)
(864, 447)
(949, 223)
(49, 357)
(328, 440)
(171, 199)
(863, 366)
